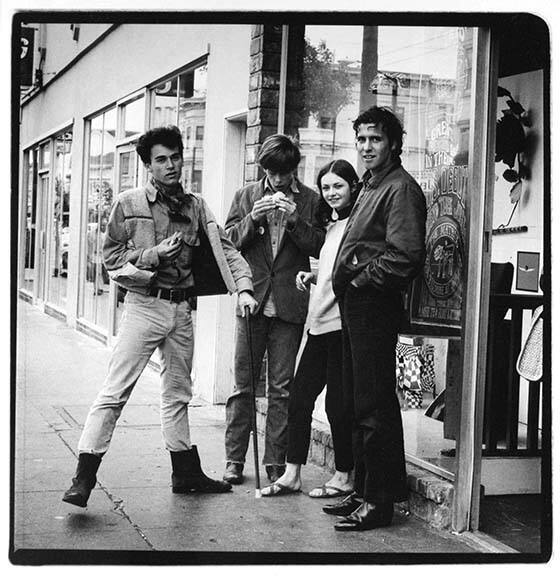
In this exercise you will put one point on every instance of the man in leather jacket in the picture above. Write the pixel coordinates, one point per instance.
(382, 250)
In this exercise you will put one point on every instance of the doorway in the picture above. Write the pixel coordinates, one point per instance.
(515, 463)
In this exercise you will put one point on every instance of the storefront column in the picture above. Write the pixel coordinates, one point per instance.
(264, 87)
(77, 224)
(476, 296)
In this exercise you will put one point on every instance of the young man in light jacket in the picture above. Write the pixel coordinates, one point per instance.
(164, 246)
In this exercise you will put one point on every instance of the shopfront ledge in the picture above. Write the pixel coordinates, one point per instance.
(430, 496)
(26, 296)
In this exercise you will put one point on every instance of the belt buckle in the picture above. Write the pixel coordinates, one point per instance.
(172, 293)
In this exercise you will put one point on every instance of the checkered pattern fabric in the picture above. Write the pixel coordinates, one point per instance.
(428, 371)
(415, 372)
(413, 399)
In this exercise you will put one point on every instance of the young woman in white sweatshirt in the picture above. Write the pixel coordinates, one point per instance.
(321, 360)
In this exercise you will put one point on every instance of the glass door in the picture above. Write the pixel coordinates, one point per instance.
(42, 211)
(95, 296)
(28, 272)
(424, 74)
(59, 222)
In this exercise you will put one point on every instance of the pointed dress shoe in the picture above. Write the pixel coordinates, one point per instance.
(367, 517)
(344, 507)
(233, 473)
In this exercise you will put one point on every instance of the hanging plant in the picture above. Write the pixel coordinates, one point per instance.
(511, 141)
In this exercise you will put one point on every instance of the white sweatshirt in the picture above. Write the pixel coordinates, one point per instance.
(324, 315)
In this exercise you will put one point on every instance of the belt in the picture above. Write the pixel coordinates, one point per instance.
(172, 294)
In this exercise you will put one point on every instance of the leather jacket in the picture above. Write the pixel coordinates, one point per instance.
(383, 245)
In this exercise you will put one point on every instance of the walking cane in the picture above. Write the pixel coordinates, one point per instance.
(253, 403)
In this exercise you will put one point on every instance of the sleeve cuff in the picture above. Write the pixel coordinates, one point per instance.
(244, 285)
(148, 258)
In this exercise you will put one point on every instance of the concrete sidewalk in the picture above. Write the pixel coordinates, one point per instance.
(132, 515)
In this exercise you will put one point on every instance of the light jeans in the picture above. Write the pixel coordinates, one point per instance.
(147, 323)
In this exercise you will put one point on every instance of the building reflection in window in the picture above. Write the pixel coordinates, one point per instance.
(424, 75)
(101, 165)
(181, 100)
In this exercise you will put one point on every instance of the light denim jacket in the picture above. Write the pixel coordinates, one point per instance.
(130, 252)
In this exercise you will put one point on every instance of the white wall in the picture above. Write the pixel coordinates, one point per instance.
(527, 89)
(228, 90)
(61, 45)
(131, 57)
(127, 60)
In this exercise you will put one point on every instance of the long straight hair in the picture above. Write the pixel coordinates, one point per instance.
(343, 169)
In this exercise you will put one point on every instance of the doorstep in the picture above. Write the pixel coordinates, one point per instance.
(430, 496)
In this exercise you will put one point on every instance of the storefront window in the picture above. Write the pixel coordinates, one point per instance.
(181, 101)
(164, 103)
(30, 225)
(45, 156)
(133, 118)
(101, 164)
(59, 232)
(424, 75)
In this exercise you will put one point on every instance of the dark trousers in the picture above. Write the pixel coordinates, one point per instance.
(320, 365)
(370, 323)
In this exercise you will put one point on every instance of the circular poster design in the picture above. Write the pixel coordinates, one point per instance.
(444, 258)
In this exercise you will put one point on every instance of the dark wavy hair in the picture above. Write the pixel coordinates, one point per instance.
(279, 153)
(389, 123)
(169, 136)
(343, 169)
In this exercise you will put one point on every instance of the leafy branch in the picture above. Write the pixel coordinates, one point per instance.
(328, 85)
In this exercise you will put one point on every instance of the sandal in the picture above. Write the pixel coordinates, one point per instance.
(327, 491)
(278, 489)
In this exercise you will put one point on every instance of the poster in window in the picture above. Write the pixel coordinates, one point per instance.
(437, 293)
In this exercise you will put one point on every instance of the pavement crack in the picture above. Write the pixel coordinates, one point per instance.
(118, 506)
(118, 503)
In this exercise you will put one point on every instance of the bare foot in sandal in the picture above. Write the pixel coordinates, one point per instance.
(278, 489)
(339, 485)
(290, 480)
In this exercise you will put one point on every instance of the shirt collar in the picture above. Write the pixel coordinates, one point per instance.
(153, 189)
(372, 179)
(268, 189)
(151, 192)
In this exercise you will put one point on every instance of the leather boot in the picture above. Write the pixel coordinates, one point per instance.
(84, 481)
(188, 476)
